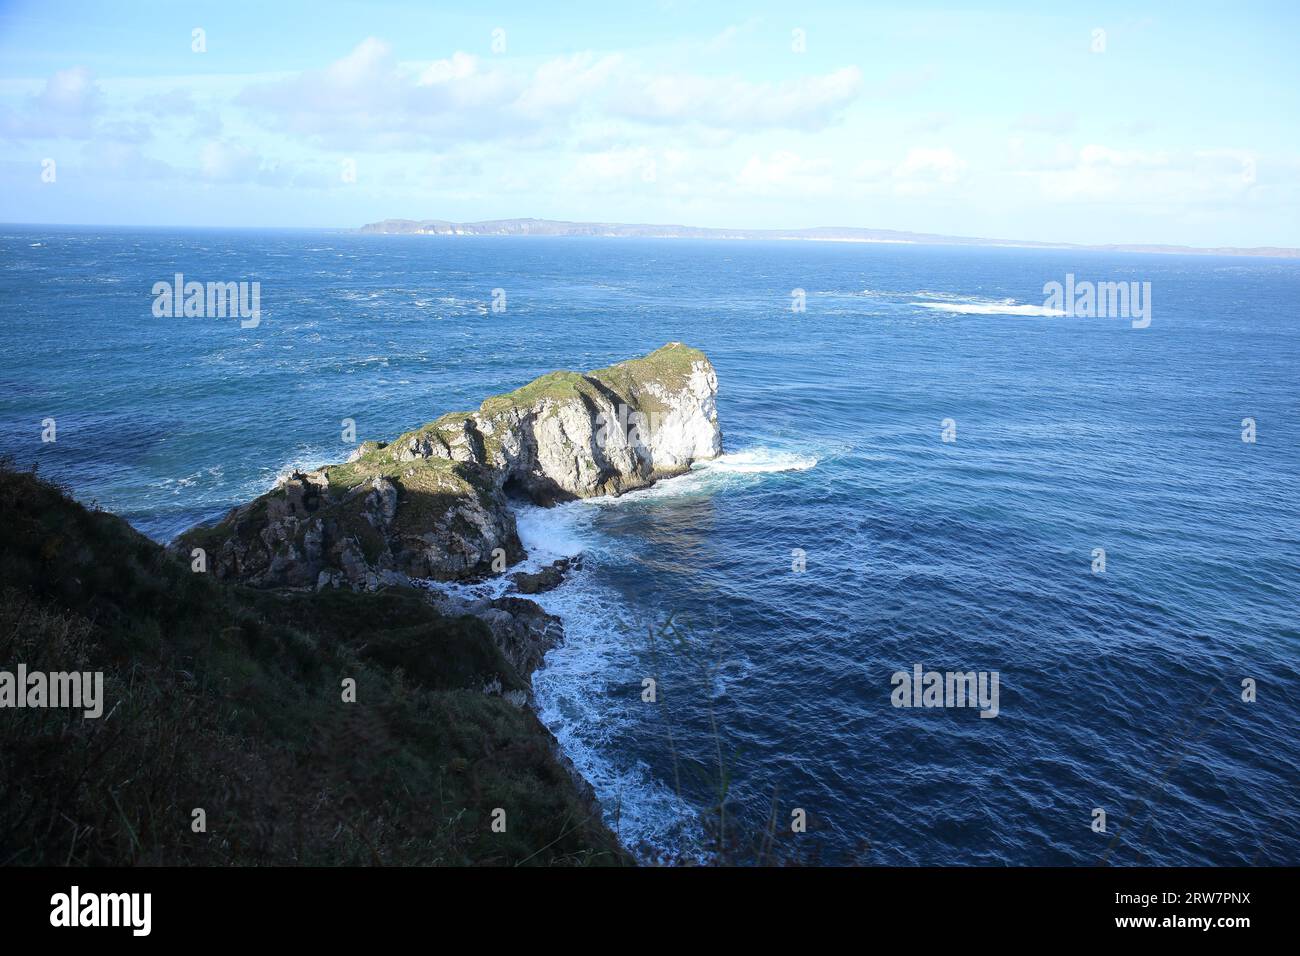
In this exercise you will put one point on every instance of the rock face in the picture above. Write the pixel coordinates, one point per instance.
(568, 435)
(547, 579)
(433, 503)
(520, 628)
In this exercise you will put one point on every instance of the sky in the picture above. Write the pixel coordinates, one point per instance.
(1083, 122)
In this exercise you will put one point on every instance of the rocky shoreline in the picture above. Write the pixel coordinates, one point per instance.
(434, 504)
(523, 632)
(334, 727)
(521, 629)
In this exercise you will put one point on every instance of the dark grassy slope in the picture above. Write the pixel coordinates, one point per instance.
(229, 699)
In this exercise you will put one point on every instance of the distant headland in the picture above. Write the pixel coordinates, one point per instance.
(555, 227)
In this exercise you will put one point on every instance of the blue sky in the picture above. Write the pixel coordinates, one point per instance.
(1175, 123)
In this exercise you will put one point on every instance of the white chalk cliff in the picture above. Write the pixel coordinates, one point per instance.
(434, 502)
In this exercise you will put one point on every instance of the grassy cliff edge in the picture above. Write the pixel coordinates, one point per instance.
(228, 699)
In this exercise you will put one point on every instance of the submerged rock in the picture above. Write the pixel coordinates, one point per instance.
(433, 503)
(547, 579)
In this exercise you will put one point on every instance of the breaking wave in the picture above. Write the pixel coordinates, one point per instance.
(1002, 307)
(577, 688)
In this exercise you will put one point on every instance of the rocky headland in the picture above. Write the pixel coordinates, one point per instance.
(223, 673)
(434, 503)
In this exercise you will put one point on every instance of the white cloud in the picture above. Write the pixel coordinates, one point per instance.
(71, 93)
(786, 173)
(1040, 156)
(1100, 173)
(366, 100)
(223, 161)
(622, 165)
(124, 162)
(923, 170)
(807, 103)
(640, 128)
(564, 83)
(67, 107)
(725, 38)
(460, 66)
(366, 64)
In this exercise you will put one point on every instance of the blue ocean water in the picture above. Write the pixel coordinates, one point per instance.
(1119, 690)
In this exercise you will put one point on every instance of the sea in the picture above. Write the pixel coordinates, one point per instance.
(926, 469)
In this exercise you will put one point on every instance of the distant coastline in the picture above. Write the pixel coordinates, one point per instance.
(618, 230)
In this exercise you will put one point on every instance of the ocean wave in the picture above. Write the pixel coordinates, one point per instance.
(758, 461)
(550, 534)
(726, 472)
(307, 458)
(565, 530)
(991, 308)
(574, 692)
(573, 687)
(857, 293)
(954, 302)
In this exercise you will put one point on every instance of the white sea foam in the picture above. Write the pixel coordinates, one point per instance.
(604, 637)
(603, 645)
(563, 531)
(954, 302)
(758, 461)
(731, 471)
(307, 458)
(572, 688)
(1007, 307)
(549, 534)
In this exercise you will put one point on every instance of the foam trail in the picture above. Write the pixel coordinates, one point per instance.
(758, 461)
(603, 648)
(549, 534)
(991, 308)
(726, 472)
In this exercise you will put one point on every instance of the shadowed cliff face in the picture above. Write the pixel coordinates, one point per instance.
(227, 697)
(433, 502)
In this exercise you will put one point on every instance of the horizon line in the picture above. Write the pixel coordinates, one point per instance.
(862, 234)
(843, 234)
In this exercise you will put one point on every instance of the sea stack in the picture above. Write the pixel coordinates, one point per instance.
(434, 502)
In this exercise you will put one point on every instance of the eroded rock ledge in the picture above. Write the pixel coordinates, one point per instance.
(434, 502)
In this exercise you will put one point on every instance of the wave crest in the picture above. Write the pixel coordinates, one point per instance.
(991, 308)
